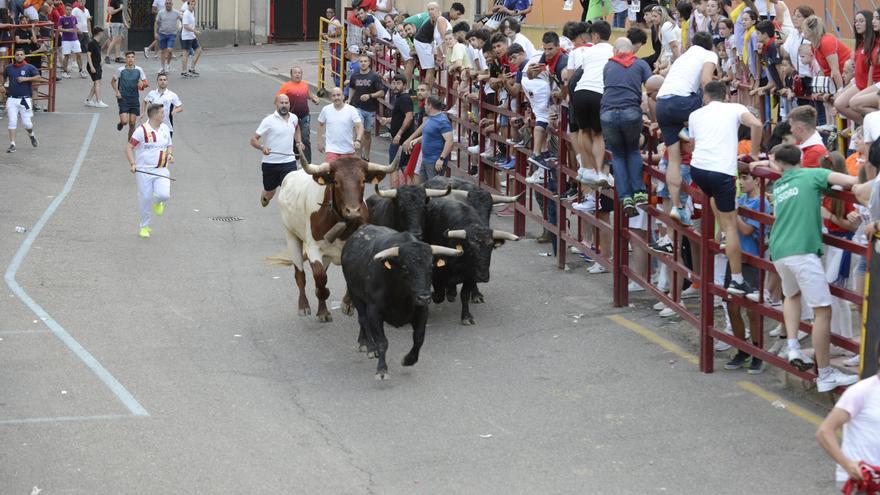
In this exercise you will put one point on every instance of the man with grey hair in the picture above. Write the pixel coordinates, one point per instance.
(621, 119)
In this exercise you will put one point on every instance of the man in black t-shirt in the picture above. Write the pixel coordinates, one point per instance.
(116, 30)
(367, 89)
(93, 62)
(401, 121)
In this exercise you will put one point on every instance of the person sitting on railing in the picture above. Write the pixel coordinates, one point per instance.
(864, 58)
(372, 27)
(803, 128)
(796, 247)
(428, 36)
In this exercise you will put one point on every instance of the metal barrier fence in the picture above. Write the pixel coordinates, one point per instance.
(43, 57)
(206, 14)
(586, 231)
(331, 46)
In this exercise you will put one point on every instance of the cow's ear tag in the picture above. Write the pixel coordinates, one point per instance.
(459, 247)
(387, 265)
(441, 262)
(322, 181)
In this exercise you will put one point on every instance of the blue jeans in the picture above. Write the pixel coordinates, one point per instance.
(619, 20)
(622, 129)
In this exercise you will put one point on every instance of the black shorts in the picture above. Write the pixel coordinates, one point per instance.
(720, 187)
(572, 119)
(97, 75)
(750, 275)
(274, 173)
(129, 105)
(587, 105)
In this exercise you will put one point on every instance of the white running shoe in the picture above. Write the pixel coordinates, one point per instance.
(537, 177)
(660, 306)
(65, 75)
(776, 332)
(488, 153)
(668, 313)
(591, 178)
(474, 149)
(607, 179)
(101, 104)
(89, 103)
(83, 74)
(853, 362)
(800, 360)
(588, 204)
(834, 379)
(634, 287)
(596, 268)
(690, 293)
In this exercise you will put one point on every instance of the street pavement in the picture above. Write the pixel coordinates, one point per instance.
(177, 364)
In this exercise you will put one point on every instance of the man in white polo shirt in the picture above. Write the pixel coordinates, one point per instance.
(279, 130)
(340, 128)
(165, 97)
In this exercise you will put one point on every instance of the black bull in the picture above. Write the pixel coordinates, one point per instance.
(388, 274)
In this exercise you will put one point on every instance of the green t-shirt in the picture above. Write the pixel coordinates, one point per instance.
(417, 20)
(798, 225)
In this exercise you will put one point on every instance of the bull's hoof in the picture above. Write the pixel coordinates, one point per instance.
(468, 321)
(382, 375)
(325, 318)
(304, 311)
(409, 360)
(450, 297)
(347, 308)
(477, 298)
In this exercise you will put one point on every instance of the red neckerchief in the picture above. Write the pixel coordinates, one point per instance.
(551, 64)
(624, 59)
(16, 64)
(771, 41)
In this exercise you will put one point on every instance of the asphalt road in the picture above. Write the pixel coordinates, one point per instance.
(239, 395)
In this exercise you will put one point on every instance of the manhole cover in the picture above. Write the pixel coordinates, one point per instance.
(226, 219)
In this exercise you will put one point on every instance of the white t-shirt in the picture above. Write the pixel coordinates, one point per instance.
(184, 7)
(538, 92)
(669, 33)
(339, 132)
(158, 5)
(82, 15)
(871, 127)
(684, 75)
(167, 98)
(277, 135)
(714, 129)
(524, 42)
(593, 60)
(477, 58)
(861, 434)
(576, 57)
(189, 19)
(151, 145)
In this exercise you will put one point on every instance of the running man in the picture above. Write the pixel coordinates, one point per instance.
(189, 41)
(168, 99)
(127, 83)
(340, 128)
(20, 76)
(714, 129)
(278, 130)
(298, 93)
(149, 151)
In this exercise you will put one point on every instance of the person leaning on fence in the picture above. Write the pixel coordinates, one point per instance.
(621, 118)
(795, 248)
(435, 136)
(857, 413)
(803, 127)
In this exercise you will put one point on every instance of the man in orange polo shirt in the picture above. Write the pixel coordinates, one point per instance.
(803, 128)
(298, 93)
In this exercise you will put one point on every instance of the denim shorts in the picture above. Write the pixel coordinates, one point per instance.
(368, 118)
(673, 112)
(166, 41)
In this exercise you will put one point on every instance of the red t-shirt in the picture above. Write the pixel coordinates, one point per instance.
(56, 14)
(811, 155)
(298, 94)
(828, 46)
(865, 63)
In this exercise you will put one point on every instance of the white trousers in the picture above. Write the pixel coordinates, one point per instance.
(15, 108)
(152, 189)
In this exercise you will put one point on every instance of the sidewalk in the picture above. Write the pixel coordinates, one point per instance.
(278, 64)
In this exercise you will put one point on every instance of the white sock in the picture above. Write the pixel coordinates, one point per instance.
(737, 277)
(794, 344)
(12, 143)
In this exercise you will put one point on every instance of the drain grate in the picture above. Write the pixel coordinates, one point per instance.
(227, 219)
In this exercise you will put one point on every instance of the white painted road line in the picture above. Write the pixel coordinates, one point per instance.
(62, 418)
(121, 393)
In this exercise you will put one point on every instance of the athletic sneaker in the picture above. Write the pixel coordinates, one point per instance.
(489, 153)
(640, 198)
(634, 287)
(834, 379)
(82, 74)
(596, 268)
(90, 103)
(738, 361)
(11, 148)
(65, 74)
(660, 306)
(193, 73)
(119, 60)
(537, 177)
(146, 52)
(570, 194)
(34, 142)
(667, 313)
(853, 362)
(101, 104)
(184, 74)
(800, 360)
(756, 367)
(509, 165)
(740, 288)
(145, 232)
(119, 126)
(591, 178)
(539, 161)
(680, 215)
(107, 59)
(474, 149)
(629, 207)
(690, 293)
(662, 245)
(588, 205)
(159, 208)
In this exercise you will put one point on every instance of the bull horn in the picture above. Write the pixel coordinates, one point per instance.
(456, 234)
(497, 198)
(502, 235)
(391, 252)
(385, 193)
(436, 193)
(385, 169)
(334, 232)
(315, 169)
(444, 251)
(459, 194)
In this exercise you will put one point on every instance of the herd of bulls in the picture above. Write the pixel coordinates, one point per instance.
(398, 250)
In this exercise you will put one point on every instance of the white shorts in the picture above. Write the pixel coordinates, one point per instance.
(31, 13)
(425, 52)
(68, 47)
(15, 108)
(804, 273)
(402, 47)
